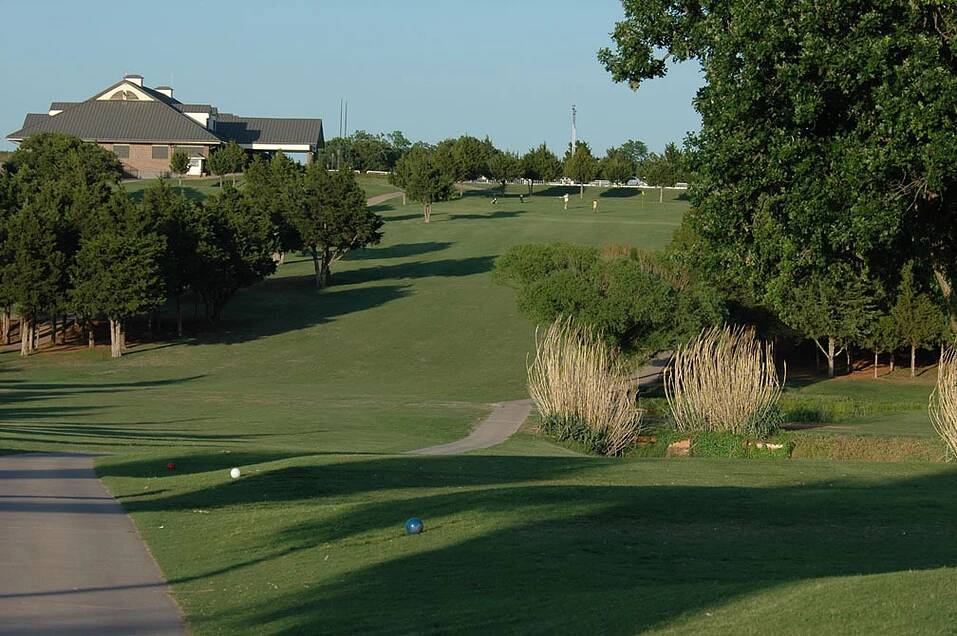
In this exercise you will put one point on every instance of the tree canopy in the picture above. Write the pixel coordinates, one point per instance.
(828, 134)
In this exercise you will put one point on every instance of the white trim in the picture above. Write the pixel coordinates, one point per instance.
(289, 147)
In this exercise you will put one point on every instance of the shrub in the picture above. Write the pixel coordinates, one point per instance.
(581, 390)
(724, 381)
(943, 401)
(623, 297)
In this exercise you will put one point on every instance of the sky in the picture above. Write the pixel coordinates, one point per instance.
(432, 69)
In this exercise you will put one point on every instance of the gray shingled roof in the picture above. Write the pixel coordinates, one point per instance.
(62, 105)
(194, 108)
(269, 130)
(109, 120)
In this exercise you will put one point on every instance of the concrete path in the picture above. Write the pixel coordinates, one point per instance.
(382, 198)
(501, 424)
(508, 417)
(71, 561)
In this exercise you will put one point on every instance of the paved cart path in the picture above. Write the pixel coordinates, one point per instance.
(382, 198)
(505, 420)
(507, 417)
(71, 561)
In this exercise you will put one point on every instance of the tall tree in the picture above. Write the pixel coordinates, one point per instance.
(172, 216)
(917, 319)
(540, 164)
(580, 166)
(275, 186)
(117, 272)
(503, 166)
(423, 178)
(179, 164)
(334, 219)
(835, 309)
(828, 131)
(228, 159)
(235, 247)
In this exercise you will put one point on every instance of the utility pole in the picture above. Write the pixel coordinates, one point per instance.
(574, 130)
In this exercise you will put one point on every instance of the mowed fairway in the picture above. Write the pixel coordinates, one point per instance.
(316, 395)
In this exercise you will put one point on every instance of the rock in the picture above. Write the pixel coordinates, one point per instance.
(681, 448)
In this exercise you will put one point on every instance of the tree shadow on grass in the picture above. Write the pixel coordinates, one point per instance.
(510, 548)
(497, 214)
(417, 269)
(291, 303)
(557, 191)
(399, 251)
(620, 193)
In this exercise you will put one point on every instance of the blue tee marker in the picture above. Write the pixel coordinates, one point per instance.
(413, 526)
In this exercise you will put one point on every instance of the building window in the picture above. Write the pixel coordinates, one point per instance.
(123, 152)
(160, 152)
(191, 151)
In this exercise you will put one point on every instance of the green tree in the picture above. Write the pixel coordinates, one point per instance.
(503, 166)
(423, 178)
(117, 273)
(179, 164)
(828, 132)
(835, 308)
(916, 317)
(335, 219)
(882, 337)
(235, 247)
(275, 186)
(57, 185)
(580, 166)
(616, 168)
(636, 151)
(540, 164)
(228, 159)
(173, 216)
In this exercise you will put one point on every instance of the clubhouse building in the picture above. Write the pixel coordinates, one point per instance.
(144, 126)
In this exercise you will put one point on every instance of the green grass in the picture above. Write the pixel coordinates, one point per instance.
(314, 544)
(314, 395)
(889, 405)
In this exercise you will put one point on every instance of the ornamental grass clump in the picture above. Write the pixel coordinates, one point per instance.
(581, 390)
(943, 401)
(724, 381)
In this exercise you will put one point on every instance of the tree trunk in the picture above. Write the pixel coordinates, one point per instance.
(875, 365)
(661, 194)
(913, 352)
(581, 190)
(847, 353)
(830, 357)
(5, 326)
(317, 267)
(891, 370)
(26, 336)
(53, 322)
(179, 316)
(947, 290)
(149, 324)
(403, 198)
(325, 275)
(90, 334)
(116, 338)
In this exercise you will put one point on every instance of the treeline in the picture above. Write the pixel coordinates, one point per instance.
(428, 173)
(75, 246)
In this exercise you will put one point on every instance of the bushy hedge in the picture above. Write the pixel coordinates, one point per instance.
(627, 297)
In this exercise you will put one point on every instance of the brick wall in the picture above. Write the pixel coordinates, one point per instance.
(141, 164)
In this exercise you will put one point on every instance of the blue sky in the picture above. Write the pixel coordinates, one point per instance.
(509, 70)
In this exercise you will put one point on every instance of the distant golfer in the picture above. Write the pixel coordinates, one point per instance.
(566, 200)
(521, 198)
(594, 206)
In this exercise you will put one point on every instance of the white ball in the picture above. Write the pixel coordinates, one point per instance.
(234, 473)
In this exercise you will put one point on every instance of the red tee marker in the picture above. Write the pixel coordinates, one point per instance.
(171, 466)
